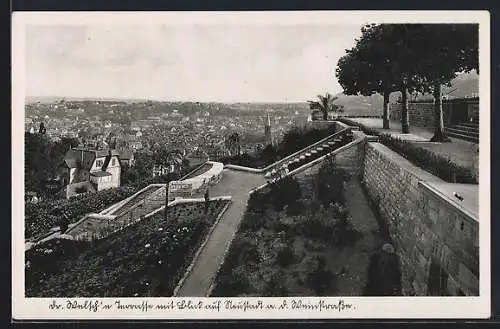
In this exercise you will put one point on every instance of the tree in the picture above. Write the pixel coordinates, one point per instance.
(443, 50)
(42, 129)
(383, 60)
(324, 104)
(368, 68)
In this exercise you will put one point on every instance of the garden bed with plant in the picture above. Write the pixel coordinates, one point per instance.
(289, 239)
(146, 259)
(41, 217)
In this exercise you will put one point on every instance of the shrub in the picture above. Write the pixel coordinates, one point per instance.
(317, 227)
(436, 164)
(296, 208)
(276, 286)
(320, 278)
(287, 191)
(285, 256)
(384, 275)
(329, 184)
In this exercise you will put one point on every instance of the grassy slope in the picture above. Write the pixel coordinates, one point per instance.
(146, 259)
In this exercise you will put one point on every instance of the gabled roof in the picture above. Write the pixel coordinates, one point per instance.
(71, 163)
(84, 158)
(100, 173)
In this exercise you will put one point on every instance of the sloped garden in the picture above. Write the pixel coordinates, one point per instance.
(288, 239)
(143, 260)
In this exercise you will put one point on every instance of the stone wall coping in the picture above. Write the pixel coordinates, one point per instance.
(197, 200)
(419, 173)
(467, 212)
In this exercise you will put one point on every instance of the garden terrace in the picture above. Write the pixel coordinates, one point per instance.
(40, 218)
(135, 200)
(454, 162)
(146, 259)
(299, 237)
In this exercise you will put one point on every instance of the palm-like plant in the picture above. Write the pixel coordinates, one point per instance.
(325, 105)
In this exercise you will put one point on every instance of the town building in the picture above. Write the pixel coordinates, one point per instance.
(86, 170)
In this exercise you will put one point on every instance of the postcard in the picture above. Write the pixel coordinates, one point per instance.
(251, 165)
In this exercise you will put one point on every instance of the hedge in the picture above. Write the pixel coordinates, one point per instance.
(431, 162)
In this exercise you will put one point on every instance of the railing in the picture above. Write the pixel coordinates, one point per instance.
(312, 162)
(119, 204)
(289, 157)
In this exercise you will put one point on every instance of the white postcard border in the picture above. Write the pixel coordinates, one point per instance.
(363, 307)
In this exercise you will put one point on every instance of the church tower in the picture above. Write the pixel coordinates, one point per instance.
(267, 131)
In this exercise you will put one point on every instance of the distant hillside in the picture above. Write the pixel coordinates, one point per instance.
(464, 85)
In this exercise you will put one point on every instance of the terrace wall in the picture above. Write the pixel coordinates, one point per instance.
(350, 159)
(432, 235)
(422, 113)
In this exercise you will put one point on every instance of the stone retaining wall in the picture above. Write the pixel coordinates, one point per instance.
(422, 114)
(433, 237)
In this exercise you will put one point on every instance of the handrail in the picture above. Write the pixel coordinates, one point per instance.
(346, 129)
(189, 173)
(255, 170)
(312, 163)
(119, 204)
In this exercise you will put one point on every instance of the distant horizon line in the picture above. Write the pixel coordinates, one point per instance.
(145, 99)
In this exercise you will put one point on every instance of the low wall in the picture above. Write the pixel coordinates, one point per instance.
(435, 239)
(422, 114)
(188, 187)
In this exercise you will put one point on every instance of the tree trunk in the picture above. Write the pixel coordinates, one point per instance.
(405, 118)
(166, 203)
(325, 115)
(439, 135)
(386, 110)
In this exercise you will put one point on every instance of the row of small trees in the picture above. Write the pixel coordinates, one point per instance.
(408, 58)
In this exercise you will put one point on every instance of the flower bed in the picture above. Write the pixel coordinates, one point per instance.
(145, 259)
(282, 243)
(41, 217)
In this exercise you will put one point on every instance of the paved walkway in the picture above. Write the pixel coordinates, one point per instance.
(237, 184)
(459, 151)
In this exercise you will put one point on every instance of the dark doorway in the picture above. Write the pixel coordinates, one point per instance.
(438, 280)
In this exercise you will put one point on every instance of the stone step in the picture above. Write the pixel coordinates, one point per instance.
(470, 124)
(463, 137)
(463, 132)
(465, 127)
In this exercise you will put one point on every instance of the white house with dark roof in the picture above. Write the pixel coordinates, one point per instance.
(101, 169)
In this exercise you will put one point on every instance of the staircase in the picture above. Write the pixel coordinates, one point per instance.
(468, 131)
(98, 226)
(310, 154)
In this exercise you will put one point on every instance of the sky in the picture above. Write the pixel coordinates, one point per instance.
(226, 63)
